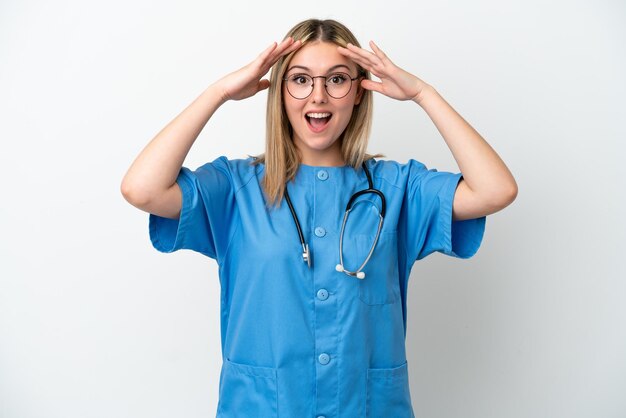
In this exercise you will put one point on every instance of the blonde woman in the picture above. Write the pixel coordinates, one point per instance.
(315, 239)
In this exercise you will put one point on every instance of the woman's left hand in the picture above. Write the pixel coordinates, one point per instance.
(394, 81)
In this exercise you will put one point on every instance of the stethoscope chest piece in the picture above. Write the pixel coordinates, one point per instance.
(306, 254)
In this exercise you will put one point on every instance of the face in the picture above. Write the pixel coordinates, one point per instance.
(319, 120)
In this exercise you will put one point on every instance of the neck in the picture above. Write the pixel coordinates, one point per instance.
(325, 158)
(323, 162)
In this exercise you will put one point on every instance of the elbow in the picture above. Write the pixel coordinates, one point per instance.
(511, 192)
(132, 195)
(505, 196)
(125, 189)
(496, 199)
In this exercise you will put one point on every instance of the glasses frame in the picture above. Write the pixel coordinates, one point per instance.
(325, 85)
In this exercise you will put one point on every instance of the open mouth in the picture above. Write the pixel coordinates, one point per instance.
(318, 121)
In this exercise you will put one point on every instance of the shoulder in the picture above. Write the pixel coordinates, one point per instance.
(395, 173)
(238, 172)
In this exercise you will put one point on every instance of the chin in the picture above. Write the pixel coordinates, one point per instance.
(319, 144)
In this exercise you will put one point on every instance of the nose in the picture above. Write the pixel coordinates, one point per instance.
(319, 93)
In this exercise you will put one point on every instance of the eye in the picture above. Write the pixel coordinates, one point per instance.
(337, 78)
(300, 79)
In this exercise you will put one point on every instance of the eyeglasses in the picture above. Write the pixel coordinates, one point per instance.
(300, 86)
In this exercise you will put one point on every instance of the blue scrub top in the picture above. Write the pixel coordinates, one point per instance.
(300, 342)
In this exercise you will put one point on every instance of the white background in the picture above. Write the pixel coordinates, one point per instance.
(96, 323)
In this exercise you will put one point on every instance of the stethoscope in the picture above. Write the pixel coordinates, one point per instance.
(306, 255)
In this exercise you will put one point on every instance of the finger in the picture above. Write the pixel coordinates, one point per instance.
(363, 62)
(263, 56)
(271, 50)
(269, 56)
(286, 43)
(367, 65)
(285, 48)
(362, 52)
(263, 84)
(367, 59)
(289, 49)
(372, 85)
(379, 52)
(346, 52)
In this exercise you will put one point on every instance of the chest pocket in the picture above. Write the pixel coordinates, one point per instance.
(381, 283)
(247, 391)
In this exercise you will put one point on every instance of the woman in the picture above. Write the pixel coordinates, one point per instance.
(313, 303)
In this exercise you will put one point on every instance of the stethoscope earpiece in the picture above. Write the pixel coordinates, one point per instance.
(358, 274)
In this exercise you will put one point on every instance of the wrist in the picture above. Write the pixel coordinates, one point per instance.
(425, 93)
(217, 93)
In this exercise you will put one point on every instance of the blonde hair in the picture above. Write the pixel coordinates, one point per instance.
(281, 156)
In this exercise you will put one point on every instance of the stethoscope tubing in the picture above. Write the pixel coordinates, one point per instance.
(358, 273)
(306, 255)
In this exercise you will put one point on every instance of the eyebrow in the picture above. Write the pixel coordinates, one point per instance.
(334, 67)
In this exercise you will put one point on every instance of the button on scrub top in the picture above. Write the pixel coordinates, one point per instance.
(300, 342)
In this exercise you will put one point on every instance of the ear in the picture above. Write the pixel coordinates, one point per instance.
(359, 93)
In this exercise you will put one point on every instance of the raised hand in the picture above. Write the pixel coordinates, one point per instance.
(394, 81)
(247, 81)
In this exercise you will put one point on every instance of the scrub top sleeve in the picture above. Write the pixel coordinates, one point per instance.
(206, 215)
(430, 226)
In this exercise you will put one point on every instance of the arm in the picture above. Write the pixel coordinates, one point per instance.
(150, 183)
(487, 186)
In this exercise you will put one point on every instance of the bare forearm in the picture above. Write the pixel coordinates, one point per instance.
(157, 166)
(483, 170)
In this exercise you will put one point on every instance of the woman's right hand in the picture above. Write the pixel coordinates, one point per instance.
(246, 81)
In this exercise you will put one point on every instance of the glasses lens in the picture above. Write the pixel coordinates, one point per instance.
(338, 85)
(299, 85)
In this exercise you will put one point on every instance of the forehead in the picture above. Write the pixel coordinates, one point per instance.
(319, 57)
